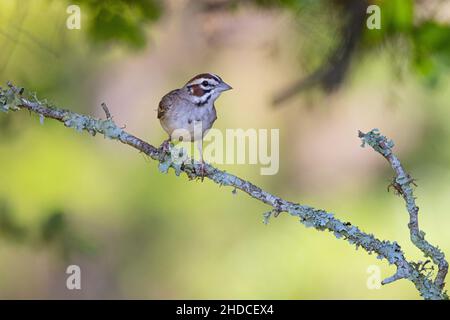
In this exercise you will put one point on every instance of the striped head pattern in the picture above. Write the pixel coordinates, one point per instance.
(206, 87)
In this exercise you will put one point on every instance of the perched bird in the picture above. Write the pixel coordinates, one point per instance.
(189, 112)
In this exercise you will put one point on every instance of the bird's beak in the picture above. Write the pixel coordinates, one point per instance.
(224, 86)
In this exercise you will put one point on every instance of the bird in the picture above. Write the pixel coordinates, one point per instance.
(188, 113)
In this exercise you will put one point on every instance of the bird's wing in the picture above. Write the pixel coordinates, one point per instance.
(166, 103)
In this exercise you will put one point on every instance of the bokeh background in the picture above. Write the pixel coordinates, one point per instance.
(309, 68)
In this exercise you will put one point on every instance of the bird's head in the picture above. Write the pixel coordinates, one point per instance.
(206, 88)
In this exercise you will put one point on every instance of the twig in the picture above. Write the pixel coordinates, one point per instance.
(106, 110)
(11, 100)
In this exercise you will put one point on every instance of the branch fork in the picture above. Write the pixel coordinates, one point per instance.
(402, 184)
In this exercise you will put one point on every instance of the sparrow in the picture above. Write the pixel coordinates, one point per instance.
(191, 109)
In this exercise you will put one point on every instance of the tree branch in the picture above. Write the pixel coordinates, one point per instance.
(12, 99)
(402, 183)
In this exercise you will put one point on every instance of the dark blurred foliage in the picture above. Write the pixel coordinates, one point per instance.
(10, 229)
(213, 5)
(54, 231)
(427, 41)
(58, 232)
(121, 20)
(125, 21)
(432, 48)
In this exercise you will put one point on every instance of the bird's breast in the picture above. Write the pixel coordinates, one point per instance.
(191, 120)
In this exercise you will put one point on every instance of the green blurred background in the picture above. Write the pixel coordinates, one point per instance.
(67, 198)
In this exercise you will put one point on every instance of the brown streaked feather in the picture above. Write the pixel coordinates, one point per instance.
(166, 103)
(197, 90)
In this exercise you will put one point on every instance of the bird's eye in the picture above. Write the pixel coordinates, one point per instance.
(205, 83)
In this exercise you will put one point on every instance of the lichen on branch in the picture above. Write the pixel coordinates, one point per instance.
(404, 183)
(13, 99)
